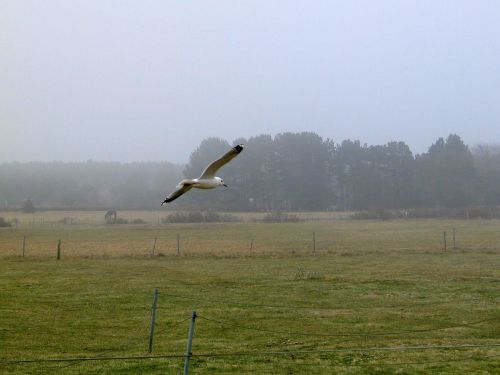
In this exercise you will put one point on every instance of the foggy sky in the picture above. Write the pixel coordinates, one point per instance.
(148, 80)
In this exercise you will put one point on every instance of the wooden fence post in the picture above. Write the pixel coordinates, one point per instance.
(154, 247)
(178, 244)
(444, 240)
(24, 244)
(59, 250)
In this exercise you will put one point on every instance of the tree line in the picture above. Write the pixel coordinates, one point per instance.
(291, 171)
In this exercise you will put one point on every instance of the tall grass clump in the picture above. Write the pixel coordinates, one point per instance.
(472, 212)
(280, 217)
(199, 217)
(4, 223)
(376, 214)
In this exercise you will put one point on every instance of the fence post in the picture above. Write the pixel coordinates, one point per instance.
(454, 243)
(59, 250)
(251, 246)
(178, 244)
(314, 242)
(189, 344)
(444, 240)
(154, 247)
(24, 244)
(153, 319)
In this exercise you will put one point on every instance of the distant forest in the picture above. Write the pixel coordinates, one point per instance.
(291, 171)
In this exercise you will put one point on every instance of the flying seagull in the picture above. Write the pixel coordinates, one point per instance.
(207, 180)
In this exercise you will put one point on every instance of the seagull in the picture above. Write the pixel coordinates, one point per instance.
(207, 180)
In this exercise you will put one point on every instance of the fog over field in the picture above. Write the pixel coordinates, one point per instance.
(356, 231)
(148, 81)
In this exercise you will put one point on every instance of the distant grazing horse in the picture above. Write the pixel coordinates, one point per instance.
(110, 217)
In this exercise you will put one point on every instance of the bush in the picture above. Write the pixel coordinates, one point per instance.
(138, 221)
(474, 212)
(4, 223)
(376, 214)
(421, 213)
(199, 217)
(280, 217)
(119, 220)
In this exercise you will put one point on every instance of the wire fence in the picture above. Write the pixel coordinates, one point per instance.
(257, 353)
(303, 306)
(308, 238)
(139, 337)
(352, 334)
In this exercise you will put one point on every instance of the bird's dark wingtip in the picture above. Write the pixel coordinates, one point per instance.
(238, 148)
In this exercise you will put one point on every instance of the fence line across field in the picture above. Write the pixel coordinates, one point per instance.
(140, 246)
(262, 353)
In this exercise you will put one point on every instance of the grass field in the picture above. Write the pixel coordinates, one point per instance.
(269, 300)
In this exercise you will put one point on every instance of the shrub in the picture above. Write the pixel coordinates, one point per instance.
(4, 223)
(138, 221)
(280, 217)
(376, 214)
(303, 274)
(420, 213)
(474, 212)
(199, 217)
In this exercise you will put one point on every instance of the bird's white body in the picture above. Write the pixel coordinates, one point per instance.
(203, 183)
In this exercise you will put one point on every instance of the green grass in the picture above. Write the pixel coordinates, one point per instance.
(368, 285)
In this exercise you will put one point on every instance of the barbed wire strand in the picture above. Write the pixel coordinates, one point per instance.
(465, 359)
(366, 364)
(238, 303)
(366, 334)
(125, 345)
(263, 353)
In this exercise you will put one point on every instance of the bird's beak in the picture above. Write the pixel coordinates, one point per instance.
(224, 185)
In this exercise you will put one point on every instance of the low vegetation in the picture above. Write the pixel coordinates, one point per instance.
(280, 217)
(199, 217)
(4, 223)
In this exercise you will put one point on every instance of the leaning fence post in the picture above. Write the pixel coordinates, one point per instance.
(153, 319)
(154, 247)
(178, 244)
(24, 244)
(189, 344)
(59, 250)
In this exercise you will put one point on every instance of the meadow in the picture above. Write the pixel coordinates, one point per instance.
(324, 295)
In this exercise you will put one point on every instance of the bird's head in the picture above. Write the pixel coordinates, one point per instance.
(221, 181)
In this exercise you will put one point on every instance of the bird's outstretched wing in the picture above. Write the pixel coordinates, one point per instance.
(183, 187)
(212, 168)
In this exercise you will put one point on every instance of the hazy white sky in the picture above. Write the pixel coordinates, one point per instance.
(148, 80)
